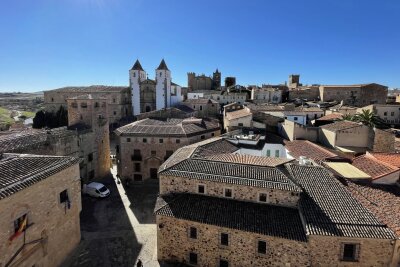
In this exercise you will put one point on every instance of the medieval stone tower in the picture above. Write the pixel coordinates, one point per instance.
(90, 114)
(163, 86)
(216, 79)
(191, 80)
(294, 81)
(136, 76)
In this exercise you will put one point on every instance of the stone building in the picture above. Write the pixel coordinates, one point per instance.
(355, 95)
(221, 208)
(144, 145)
(205, 108)
(203, 82)
(266, 95)
(118, 99)
(149, 95)
(390, 114)
(294, 81)
(40, 202)
(89, 114)
(308, 93)
(237, 116)
(230, 81)
(86, 137)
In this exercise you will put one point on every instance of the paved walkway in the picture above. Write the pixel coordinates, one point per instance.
(118, 230)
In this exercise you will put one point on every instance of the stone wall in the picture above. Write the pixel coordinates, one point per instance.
(174, 245)
(327, 251)
(294, 131)
(169, 184)
(152, 152)
(381, 141)
(48, 219)
(120, 103)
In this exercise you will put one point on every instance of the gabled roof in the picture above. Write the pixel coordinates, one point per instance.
(389, 158)
(232, 173)
(90, 89)
(169, 127)
(374, 167)
(162, 66)
(298, 148)
(19, 171)
(331, 117)
(249, 159)
(329, 209)
(257, 218)
(341, 125)
(238, 114)
(137, 66)
(382, 200)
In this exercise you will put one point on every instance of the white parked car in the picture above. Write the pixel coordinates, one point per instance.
(96, 190)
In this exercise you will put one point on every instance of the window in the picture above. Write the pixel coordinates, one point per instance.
(20, 223)
(96, 105)
(52, 99)
(128, 140)
(262, 247)
(178, 141)
(153, 153)
(240, 124)
(193, 232)
(137, 167)
(223, 263)
(168, 154)
(144, 140)
(90, 157)
(83, 105)
(262, 197)
(192, 258)
(113, 100)
(201, 107)
(349, 252)
(295, 118)
(276, 153)
(161, 141)
(268, 153)
(224, 239)
(64, 196)
(117, 148)
(392, 114)
(228, 192)
(385, 113)
(202, 137)
(201, 189)
(115, 113)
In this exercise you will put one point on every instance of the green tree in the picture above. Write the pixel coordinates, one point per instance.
(51, 119)
(368, 118)
(347, 117)
(39, 121)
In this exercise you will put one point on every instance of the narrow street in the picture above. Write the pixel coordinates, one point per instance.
(120, 229)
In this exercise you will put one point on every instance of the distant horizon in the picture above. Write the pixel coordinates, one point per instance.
(53, 44)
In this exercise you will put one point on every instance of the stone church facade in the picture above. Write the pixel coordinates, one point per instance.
(149, 95)
(203, 82)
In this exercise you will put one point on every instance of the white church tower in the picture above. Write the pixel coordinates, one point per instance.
(136, 76)
(163, 86)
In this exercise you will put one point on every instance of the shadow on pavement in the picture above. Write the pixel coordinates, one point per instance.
(108, 238)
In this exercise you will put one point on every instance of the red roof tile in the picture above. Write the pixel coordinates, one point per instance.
(331, 117)
(382, 200)
(308, 149)
(373, 167)
(390, 158)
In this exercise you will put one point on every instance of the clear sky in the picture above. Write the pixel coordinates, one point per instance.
(47, 44)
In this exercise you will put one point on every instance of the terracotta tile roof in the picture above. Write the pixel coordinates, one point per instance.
(249, 159)
(238, 114)
(390, 158)
(213, 147)
(257, 218)
(382, 200)
(19, 171)
(308, 149)
(232, 173)
(331, 117)
(373, 167)
(340, 125)
(200, 101)
(329, 209)
(169, 127)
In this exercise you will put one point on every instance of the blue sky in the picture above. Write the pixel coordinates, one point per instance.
(47, 44)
